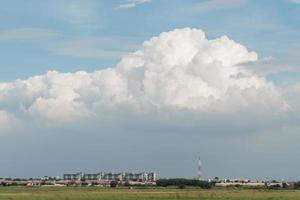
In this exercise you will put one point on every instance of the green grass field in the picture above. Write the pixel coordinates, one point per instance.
(11, 193)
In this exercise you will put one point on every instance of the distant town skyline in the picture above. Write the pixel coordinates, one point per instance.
(148, 85)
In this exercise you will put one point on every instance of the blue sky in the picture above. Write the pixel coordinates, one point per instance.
(105, 119)
(270, 28)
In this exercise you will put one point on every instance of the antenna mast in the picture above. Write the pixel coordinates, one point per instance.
(199, 169)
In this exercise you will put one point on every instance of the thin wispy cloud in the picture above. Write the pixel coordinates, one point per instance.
(76, 13)
(132, 3)
(28, 34)
(209, 5)
(295, 1)
(64, 45)
(269, 65)
(95, 47)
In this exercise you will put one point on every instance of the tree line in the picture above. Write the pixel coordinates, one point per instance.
(182, 183)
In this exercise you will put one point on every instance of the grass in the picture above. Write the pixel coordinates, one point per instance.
(22, 193)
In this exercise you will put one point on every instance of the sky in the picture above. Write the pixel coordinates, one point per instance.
(148, 85)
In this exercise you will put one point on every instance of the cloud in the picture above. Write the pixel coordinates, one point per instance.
(7, 121)
(95, 47)
(292, 94)
(269, 66)
(28, 34)
(295, 1)
(91, 47)
(132, 3)
(180, 71)
(77, 12)
(210, 5)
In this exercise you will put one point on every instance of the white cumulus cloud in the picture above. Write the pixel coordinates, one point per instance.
(179, 70)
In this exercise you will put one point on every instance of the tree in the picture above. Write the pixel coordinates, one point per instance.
(127, 183)
(284, 185)
(181, 186)
(297, 185)
(113, 184)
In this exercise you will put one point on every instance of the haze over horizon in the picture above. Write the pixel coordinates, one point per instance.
(148, 85)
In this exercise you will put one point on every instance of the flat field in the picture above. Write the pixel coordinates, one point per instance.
(22, 193)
